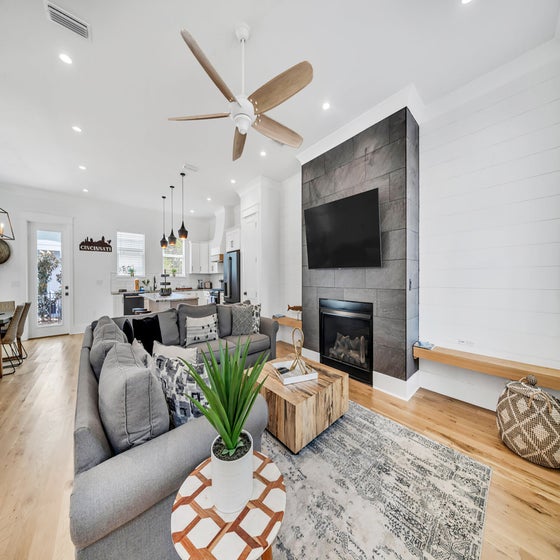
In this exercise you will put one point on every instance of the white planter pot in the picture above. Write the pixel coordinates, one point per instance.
(232, 481)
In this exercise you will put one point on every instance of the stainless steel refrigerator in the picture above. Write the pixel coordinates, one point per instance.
(232, 280)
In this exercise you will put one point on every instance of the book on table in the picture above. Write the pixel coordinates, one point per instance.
(295, 375)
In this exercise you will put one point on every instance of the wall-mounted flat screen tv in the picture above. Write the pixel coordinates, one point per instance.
(344, 233)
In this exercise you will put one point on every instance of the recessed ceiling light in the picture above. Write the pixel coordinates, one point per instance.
(82, 167)
(192, 211)
(466, 1)
(232, 181)
(209, 199)
(85, 190)
(326, 106)
(65, 58)
(263, 153)
(76, 128)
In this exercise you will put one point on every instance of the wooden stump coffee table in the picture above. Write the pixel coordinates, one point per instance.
(299, 412)
(200, 532)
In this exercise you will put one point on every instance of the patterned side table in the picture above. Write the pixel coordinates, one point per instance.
(200, 532)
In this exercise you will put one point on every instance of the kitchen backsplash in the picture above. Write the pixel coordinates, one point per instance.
(126, 283)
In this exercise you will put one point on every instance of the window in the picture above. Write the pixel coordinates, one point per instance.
(130, 253)
(174, 258)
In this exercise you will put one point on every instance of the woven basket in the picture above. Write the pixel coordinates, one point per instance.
(528, 420)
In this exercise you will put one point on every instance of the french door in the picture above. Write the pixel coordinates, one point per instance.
(50, 273)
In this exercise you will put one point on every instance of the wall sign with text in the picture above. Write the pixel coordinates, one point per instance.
(101, 246)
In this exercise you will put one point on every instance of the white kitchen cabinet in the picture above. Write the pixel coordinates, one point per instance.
(194, 258)
(233, 239)
(199, 258)
(216, 268)
(204, 258)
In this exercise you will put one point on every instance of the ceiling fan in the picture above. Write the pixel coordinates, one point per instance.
(247, 111)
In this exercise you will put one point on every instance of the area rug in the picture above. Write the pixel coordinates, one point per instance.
(369, 488)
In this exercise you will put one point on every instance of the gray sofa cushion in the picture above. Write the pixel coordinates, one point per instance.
(224, 320)
(131, 401)
(169, 327)
(91, 446)
(184, 310)
(101, 322)
(259, 342)
(105, 336)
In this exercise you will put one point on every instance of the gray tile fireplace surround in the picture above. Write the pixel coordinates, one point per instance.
(384, 156)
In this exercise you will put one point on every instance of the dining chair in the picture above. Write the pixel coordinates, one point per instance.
(22, 352)
(8, 306)
(8, 339)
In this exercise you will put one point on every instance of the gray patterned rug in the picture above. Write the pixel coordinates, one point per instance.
(370, 488)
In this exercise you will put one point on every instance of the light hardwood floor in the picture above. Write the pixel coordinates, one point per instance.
(36, 421)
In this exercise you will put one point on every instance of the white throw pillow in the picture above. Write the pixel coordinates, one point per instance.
(188, 354)
(201, 329)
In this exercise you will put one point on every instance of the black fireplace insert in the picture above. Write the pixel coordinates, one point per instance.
(346, 337)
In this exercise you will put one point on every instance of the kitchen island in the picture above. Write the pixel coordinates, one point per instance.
(154, 302)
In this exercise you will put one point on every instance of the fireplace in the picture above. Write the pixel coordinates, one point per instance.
(346, 337)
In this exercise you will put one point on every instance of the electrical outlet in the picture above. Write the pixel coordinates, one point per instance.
(465, 342)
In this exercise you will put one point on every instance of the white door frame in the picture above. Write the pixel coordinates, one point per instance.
(65, 224)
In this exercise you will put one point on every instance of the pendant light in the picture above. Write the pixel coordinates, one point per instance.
(172, 238)
(163, 242)
(183, 233)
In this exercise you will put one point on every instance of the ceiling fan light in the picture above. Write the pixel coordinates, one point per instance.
(243, 123)
(183, 233)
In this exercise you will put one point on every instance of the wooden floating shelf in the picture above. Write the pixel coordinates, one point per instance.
(508, 369)
(289, 322)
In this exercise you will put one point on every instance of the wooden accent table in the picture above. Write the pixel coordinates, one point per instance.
(299, 412)
(200, 532)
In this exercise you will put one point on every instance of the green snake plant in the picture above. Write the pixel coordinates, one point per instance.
(231, 391)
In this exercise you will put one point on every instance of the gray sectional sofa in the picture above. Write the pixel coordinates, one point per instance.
(120, 506)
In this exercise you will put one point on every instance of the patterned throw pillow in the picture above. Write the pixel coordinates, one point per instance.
(241, 320)
(201, 329)
(256, 315)
(177, 381)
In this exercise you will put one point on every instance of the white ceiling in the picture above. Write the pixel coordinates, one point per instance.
(136, 71)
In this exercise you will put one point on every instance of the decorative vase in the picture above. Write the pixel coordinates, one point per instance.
(232, 481)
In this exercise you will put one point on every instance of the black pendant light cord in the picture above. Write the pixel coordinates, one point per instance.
(163, 242)
(183, 233)
(172, 238)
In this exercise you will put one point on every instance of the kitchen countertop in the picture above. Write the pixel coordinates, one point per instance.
(175, 296)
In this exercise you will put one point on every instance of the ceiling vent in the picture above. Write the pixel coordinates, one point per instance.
(60, 16)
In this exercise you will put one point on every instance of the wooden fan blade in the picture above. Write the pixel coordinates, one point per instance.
(200, 117)
(269, 127)
(238, 144)
(282, 87)
(206, 65)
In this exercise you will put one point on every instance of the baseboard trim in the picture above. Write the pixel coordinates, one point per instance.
(403, 390)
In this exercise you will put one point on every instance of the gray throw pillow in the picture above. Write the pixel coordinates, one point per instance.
(169, 327)
(106, 335)
(102, 321)
(177, 382)
(184, 311)
(224, 320)
(132, 405)
(241, 319)
(201, 329)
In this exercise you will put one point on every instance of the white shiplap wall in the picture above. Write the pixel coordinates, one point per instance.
(490, 230)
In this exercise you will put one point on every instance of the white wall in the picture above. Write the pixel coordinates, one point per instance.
(490, 231)
(289, 279)
(90, 288)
